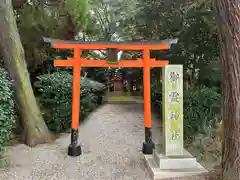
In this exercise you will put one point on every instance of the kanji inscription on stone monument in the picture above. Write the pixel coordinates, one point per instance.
(173, 110)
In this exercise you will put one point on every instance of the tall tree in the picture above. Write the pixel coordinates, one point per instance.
(228, 20)
(35, 129)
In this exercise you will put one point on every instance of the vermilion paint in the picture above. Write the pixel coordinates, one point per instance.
(78, 62)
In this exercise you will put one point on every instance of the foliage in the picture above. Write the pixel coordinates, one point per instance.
(56, 19)
(209, 144)
(109, 16)
(56, 98)
(156, 96)
(6, 110)
(193, 23)
(98, 74)
(202, 109)
(78, 9)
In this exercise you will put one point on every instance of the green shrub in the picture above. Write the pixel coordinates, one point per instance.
(156, 92)
(56, 98)
(6, 110)
(202, 109)
(156, 96)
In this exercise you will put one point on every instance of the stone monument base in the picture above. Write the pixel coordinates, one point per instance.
(161, 166)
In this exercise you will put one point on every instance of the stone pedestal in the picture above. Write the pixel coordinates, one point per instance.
(186, 161)
(161, 166)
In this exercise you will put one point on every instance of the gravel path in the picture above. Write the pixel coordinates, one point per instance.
(111, 139)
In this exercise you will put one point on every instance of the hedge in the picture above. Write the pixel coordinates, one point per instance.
(201, 108)
(6, 110)
(56, 98)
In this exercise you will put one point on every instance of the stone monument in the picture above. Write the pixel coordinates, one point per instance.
(169, 158)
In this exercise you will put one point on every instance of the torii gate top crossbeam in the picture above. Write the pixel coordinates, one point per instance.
(121, 45)
(103, 45)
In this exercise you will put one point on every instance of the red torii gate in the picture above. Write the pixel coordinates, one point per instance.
(77, 62)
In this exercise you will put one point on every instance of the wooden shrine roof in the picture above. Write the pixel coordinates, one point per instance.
(116, 78)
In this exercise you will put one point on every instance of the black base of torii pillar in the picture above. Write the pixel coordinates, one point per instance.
(74, 149)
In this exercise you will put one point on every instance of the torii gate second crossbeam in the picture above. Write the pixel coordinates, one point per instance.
(77, 62)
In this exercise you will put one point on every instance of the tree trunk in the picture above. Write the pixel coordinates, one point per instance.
(35, 129)
(228, 19)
